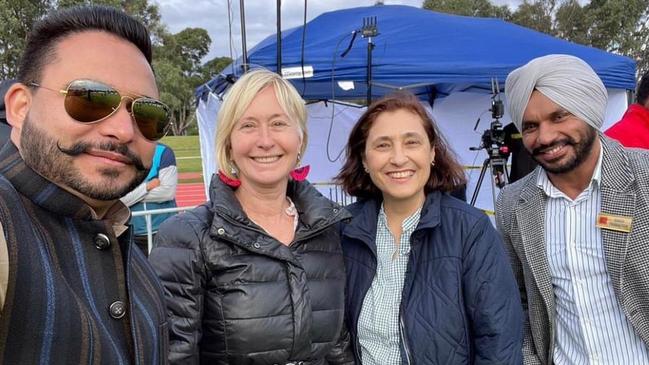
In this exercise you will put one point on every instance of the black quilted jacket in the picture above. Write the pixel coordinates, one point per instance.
(238, 296)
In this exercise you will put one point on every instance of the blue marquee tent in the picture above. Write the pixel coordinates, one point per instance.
(430, 53)
(434, 55)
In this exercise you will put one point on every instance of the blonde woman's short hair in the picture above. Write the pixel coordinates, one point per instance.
(238, 99)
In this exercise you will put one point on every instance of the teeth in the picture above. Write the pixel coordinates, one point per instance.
(400, 174)
(554, 150)
(267, 159)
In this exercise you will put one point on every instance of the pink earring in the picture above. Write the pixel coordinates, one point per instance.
(300, 173)
(234, 183)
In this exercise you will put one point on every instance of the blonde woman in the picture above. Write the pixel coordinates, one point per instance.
(256, 275)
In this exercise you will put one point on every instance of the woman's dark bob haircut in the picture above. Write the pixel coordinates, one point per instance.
(447, 174)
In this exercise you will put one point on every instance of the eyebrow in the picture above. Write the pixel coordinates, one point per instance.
(272, 116)
(404, 135)
(552, 115)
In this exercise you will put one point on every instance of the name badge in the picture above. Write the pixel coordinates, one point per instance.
(613, 222)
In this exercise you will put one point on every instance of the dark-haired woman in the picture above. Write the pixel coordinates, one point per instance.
(428, 281)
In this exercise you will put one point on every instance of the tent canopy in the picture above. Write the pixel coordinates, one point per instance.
(430, 53)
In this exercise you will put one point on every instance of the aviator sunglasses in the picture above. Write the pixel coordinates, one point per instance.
(88, 101)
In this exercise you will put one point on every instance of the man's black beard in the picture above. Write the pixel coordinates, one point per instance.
(582, 148)
(44, 155)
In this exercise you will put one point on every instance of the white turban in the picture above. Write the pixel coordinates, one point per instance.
(566, 80)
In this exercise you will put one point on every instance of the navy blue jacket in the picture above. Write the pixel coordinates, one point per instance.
(460, 302)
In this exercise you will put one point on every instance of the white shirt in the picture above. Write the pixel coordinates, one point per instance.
(591, 327)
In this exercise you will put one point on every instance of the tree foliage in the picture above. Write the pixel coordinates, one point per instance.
(16, 16)
(178, 58)
(481, 8)
(618, 26)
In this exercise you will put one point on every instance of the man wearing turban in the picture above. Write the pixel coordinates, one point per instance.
(577, 227)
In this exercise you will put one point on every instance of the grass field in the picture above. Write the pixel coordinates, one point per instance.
(188, 152)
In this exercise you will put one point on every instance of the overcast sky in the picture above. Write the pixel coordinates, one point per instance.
(212, 15)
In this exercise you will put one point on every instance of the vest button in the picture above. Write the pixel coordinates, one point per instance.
(102, 241)
(220, 231)
(117, 309)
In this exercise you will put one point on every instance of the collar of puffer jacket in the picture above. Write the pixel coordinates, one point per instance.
(315, 210)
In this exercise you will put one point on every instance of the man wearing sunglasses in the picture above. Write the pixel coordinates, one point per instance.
(84, 117)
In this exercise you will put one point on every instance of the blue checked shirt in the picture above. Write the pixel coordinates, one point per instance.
(591, 326)
(378, 324)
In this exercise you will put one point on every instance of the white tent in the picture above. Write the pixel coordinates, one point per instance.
(455, 115)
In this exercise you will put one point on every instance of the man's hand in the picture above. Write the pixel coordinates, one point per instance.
(152, 184)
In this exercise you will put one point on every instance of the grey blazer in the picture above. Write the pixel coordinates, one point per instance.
(520, 217)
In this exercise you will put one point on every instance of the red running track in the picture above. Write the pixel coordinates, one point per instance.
(188, 195)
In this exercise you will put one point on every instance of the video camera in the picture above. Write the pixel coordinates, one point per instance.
(493, 139)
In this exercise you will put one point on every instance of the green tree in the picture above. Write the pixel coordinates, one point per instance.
(613, 25)
(534, 15)
(481, 8)
(179, 71)
(16, 17)
(618, 26)
(214, 66)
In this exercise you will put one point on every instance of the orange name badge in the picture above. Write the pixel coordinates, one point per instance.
(618, 223)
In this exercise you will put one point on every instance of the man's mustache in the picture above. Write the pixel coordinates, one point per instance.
(83, 147)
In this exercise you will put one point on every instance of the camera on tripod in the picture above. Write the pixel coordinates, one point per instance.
(493, 142)
(493, 138)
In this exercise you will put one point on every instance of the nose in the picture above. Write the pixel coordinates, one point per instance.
(546, 134)
(265, 139)
(120, 126)
(398, 156)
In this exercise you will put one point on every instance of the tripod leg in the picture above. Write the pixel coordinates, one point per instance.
(483, 171)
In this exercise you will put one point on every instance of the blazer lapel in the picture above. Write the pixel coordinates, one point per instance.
(530, 215)
(617, 199)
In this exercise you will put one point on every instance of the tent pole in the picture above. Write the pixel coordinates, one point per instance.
(370, 48)
(243, 36)
(279, 37)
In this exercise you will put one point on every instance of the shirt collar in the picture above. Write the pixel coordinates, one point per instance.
(118, 215)
(409, 224)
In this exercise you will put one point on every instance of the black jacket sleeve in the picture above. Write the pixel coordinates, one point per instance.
(177, 259)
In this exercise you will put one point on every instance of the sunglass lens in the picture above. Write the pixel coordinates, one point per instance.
(151, 116)
(89, 101)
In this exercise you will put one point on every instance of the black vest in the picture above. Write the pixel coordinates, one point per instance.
(76, 293)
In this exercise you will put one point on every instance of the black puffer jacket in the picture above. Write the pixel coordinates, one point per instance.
(238, 296)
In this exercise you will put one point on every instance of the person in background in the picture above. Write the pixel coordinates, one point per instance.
(256, 275)
(157, 191)
(576, 228)
(522, 162)
(633, 129)
(428, 281)
(85, 115)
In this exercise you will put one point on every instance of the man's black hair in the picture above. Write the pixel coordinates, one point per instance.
(643, 89)
(46, 33)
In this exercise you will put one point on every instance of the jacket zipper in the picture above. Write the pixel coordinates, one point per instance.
(403, 339)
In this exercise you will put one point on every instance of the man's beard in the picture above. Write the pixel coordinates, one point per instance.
(44, 155)
(582, 150)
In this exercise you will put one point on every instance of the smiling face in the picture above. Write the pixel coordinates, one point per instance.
(398, 156)
(101, 161)
(559, 141)
(265, 143)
